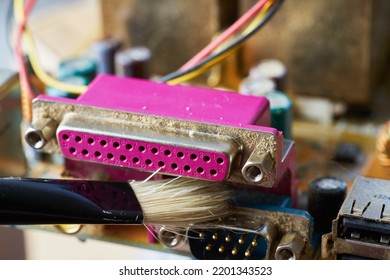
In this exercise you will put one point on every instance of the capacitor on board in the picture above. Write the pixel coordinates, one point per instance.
(272, 69)
(104, 51)
(326, 195)
(281, 112)
(256, 86)
(133, 62)
(83, 66)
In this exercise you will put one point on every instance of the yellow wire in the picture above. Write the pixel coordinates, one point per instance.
(34, 59)
(19, 10)
(42, 75)
(211, 63)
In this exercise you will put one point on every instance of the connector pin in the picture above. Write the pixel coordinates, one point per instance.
(242, 239)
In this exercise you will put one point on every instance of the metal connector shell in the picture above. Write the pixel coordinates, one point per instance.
(362, 227)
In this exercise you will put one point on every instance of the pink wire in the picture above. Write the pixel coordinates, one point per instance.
(240, 23)
(23, 73)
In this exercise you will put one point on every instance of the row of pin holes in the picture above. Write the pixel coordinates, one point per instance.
(142, 149)
(148, 162)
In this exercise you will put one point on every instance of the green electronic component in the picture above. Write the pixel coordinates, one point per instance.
(281, 112)
(83, 66)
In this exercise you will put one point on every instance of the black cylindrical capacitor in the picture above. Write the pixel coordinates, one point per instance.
(271, 69)
(133, 62)
(104, 51)
(326, 195)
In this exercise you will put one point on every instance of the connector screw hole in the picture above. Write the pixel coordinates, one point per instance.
(254, 174)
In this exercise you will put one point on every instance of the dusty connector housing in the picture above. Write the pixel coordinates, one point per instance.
(362, 228)
(255, 234)
(178, 130)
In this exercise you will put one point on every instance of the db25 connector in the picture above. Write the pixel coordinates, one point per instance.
(178, 130)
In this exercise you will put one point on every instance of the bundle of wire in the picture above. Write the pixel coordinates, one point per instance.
(22, 11)
(257, 17)
(247, 25)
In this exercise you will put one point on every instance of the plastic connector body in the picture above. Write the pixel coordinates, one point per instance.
(178, 130)
(362, 228)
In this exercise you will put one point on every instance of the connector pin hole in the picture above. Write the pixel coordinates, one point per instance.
(103, 143)
(200, 170)
(141, 149)
(193, 156)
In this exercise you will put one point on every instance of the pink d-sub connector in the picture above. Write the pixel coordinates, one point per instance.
(178, 130)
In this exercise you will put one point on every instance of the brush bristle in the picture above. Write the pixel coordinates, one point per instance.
(181, 201)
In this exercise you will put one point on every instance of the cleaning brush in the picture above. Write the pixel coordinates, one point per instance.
(170, 202)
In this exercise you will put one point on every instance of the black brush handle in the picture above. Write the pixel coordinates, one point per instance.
(52, 201)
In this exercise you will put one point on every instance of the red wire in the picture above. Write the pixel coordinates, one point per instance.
(240, 23)
(23, 73)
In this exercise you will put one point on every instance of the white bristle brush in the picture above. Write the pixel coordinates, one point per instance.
(170, 202)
